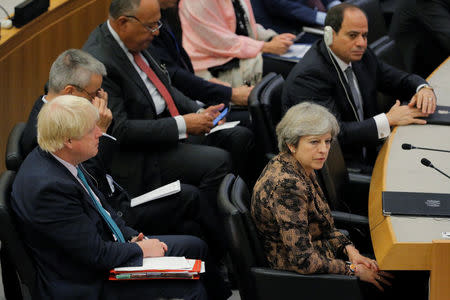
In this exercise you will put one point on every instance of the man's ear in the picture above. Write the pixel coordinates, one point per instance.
(68, 143)
(68, 90)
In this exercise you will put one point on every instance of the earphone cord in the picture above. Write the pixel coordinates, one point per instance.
(342, 83)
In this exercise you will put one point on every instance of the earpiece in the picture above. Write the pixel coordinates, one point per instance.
(328, 35)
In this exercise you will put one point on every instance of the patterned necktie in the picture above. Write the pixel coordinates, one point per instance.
(157, 83)
(355, 94)
(316, 4)
(112, 225)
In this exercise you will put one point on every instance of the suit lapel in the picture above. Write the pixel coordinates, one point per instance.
(335, 69)
(125, 64)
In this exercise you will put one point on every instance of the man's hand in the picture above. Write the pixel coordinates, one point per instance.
(152, 247)
(374, 277)
(101, 102)
(279, 44)
(198, 124)
(404, 115)
(137, 238)
(424, 99)
(239, 95)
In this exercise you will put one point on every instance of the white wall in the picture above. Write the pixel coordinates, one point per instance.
(9, 6)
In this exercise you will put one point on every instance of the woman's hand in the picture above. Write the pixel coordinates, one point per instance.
(356, 258)
(376, 278)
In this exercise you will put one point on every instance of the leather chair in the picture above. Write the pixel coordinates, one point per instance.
(256, 281)
(263, 134)
(18, 271)
(14, 156)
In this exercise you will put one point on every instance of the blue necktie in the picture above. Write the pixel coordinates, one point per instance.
(112, 225)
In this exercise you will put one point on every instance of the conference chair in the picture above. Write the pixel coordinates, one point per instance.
(18, 271)
(264, 136)
(14, 156)
(256, 281)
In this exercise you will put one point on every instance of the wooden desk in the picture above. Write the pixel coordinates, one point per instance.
(414, 243)
(26, 55)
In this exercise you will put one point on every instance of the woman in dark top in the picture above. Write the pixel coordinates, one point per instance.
(289, 207)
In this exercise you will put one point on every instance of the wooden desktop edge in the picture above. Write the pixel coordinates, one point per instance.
(390, 254)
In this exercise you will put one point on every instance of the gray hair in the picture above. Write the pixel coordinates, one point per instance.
(305, 119)
(123, 7)
(65, 117)
(73, 67)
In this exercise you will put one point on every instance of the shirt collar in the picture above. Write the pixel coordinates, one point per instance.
(117, 37)
(72, 169)
(343, 65)
(44, 99)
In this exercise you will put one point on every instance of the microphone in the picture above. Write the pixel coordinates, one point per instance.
(409, 147)
(428, 163)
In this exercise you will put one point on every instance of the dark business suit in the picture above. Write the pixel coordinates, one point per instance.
(151, 153)
(315, 79)
(186, 212)
(288, 15)
(72, 247)
(421, 29)
(171, 52)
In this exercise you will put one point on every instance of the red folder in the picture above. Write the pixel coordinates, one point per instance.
(158, 274)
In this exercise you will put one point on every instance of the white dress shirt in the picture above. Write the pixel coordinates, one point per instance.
(158, 100)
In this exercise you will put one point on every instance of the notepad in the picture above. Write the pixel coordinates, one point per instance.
(164, 191)
(226, 125)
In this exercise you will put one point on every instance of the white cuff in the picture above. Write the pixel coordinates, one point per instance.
(320, 18)
(383, 128)
(333, 3)
(421, 86)
(181, 124)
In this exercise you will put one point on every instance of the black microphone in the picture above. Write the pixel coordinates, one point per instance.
(409, 147)
(428, 163)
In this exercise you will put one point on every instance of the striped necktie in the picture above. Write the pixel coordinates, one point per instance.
(112, 225)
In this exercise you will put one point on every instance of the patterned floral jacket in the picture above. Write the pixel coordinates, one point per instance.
(294, 220)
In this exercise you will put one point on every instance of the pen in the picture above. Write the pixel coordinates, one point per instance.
(110, 136)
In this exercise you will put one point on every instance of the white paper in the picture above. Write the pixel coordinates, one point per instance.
(165, 190)
(313, 30)
(296, 51)
(223, 126)
(160, 263)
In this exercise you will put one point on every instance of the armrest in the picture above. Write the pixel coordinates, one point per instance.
(380, 42)
(14, 156)
(277, 284)
(343, 217)
(359, 178)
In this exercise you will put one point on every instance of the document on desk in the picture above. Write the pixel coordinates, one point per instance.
(441, 116)
(294, 53)
(165, 190)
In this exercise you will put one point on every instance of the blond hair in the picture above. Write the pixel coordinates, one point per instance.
(65, 117)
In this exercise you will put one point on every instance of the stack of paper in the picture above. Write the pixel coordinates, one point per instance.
(166, 267)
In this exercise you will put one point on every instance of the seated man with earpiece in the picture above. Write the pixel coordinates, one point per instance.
(340, 73)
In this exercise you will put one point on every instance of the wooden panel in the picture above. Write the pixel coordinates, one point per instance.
(26, 55)
(440, 274)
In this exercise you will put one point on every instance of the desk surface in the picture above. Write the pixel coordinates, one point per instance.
(414, 243)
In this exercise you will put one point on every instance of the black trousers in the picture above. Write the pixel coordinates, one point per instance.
(187, 212)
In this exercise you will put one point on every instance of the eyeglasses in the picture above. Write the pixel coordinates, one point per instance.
(152, 28)
(90, 95)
